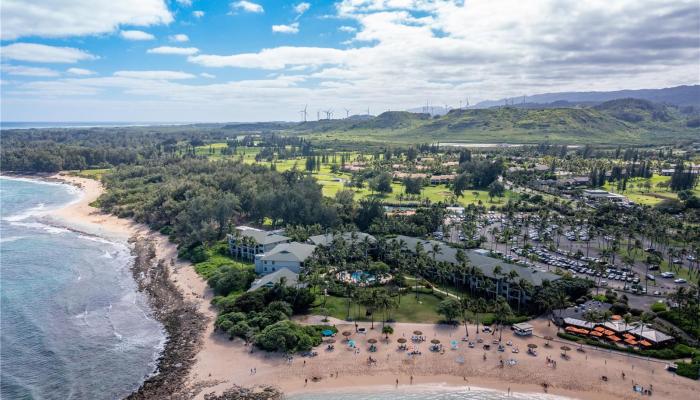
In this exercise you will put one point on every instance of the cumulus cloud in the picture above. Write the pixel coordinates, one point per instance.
(442, 50)
(53, 18)
(80, 71)
(275, 58)
(34, 52)
(157, 75)
(198, 13)
(23, 70)
(246, 6)
(290, 29)
(301, 8)
(183, 51)
(180, 37)
(207, 75)
(136, 35)
(184, 3)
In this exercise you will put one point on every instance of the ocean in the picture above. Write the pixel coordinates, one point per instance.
(422, 392)
(73, 325)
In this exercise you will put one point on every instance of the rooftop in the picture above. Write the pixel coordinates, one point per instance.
(260, 236)
(290, 279)
(486, 263)
(348, 237)
(293, 251)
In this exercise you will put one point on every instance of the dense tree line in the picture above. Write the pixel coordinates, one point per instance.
(197, 201)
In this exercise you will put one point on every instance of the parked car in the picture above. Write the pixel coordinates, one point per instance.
(680, 280)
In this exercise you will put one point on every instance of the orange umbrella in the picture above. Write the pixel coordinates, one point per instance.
(614, 338)
(645, 343)
(599, 328)
(596, 334)
(631, 342)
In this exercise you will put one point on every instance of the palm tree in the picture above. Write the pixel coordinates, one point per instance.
(502, 312)
(478, 306)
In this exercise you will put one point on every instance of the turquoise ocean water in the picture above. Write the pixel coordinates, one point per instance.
(73, 325)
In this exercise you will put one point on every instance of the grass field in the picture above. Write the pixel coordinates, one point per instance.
(640, 194)
(410, 309)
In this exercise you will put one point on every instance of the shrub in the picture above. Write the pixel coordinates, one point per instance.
(286, 336)
(658, 307)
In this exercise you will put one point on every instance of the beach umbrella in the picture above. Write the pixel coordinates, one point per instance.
(402, 340)
(417, 333)
(331, 340)
(347, 333)
(435, 341)
(327, 332)
(565, 349)
(532, 346)
(373, 341)
(351, 343)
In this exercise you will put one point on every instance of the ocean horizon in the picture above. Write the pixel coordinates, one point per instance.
(7, 125)
(73, 324)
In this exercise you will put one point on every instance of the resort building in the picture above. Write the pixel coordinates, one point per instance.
(290, 255)
(248, 242)
(479, 258)
(602, 195)
(350, 238)
(618, 332)
(283, 275)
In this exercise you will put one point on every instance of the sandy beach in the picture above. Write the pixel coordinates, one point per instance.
(221, 363)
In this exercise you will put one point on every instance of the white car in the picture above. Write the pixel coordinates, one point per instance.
(680, 280)
(667, 275)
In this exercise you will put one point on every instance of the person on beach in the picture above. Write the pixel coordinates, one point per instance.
(411, 379)
(397, 382)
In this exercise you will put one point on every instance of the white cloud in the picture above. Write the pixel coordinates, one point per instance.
(291, 28)
(184, 3)
(276, 58)
(302, 8)
(180, 37)
(444, 51)
(156, 75)
(33, 52)
(23, 70)
(247, 6)
(136, 35)
(207, 75)
(80, 71)
(198, 13)
(348, 29)
(63, 18)
(183, 51)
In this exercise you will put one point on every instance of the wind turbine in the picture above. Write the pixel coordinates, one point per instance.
(329, 114)
(303, 112)
(318, 115)
(347, 112)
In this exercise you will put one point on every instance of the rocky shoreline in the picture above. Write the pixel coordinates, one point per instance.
(181, 320)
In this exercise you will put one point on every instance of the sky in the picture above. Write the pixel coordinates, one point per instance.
(255, 60)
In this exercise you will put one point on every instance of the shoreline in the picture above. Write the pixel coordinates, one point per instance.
(218, 364)
(155, 270)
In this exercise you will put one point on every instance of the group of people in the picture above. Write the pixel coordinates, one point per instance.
(551, 362)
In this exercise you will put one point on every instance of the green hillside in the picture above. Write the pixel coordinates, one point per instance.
(627, 121)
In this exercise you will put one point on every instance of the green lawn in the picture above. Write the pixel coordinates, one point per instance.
(214, 260)
(410, 310)
(638, 193)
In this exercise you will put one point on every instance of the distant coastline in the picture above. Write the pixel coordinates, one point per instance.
(8, 125)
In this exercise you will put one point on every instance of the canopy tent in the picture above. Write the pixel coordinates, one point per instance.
(614, 338)
(596, 333)
(327, 332)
